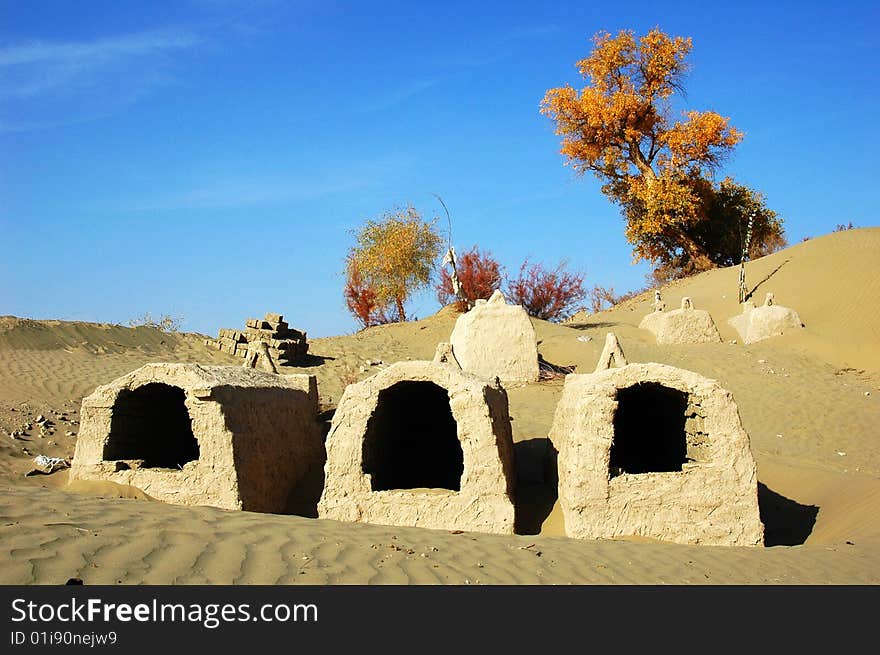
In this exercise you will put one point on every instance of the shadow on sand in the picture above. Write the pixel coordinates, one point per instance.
(786, 522)
(591, 326)
(310, 360)
(766, 277)
(536, 484)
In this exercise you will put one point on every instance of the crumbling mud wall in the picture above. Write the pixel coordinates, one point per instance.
(421, 444)
(222, 436)
(654, 451)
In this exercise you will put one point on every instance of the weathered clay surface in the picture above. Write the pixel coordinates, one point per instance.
(612, 354)
(769, 320)
(484, 502)
(685, 325)
(257, 435)
(712, 500)
(259, 357)
(443, 354)
(496, 339)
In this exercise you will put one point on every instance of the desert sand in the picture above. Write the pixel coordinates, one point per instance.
(810, 402)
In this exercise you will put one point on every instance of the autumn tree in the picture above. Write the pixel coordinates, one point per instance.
(735, 221)
(479, 275)
(552, 295)
(620, 127)
(392, 258)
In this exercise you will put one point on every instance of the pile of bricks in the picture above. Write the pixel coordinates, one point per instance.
(286, 346)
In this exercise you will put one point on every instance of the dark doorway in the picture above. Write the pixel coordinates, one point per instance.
(151, 423)
(649, 429)
(412, 439)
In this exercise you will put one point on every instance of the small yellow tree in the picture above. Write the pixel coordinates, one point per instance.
(393, 257)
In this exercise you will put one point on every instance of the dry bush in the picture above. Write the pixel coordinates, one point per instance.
(549, 295)
(166, 322)
(479, 274)
(602, 298)
(548, 371)
(349, 375)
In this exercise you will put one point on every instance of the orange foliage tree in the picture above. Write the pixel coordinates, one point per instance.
(393, 257)
(549, 295)
(620, 127)
(479, 274)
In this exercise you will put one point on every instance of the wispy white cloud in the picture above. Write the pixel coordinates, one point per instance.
(238, 191)
(531, 32)
(400, 95)
(499, 50)
(248, 193)
(14, 126)
(48, 84)
(86, 111)
(83, 52)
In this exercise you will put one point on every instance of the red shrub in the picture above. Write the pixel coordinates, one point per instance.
(549, 295)
(479, 275)
(360, 299)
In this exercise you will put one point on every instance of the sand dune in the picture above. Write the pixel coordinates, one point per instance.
(809, 401)
(832, 281)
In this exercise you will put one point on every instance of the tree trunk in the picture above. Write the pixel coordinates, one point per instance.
(640, 162)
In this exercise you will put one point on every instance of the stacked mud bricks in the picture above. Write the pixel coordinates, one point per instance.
(287, 347)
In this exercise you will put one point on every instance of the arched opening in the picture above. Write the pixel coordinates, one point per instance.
(649, 429)
(151, 425)
(412, 439)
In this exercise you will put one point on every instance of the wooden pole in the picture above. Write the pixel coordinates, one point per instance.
(743, 290)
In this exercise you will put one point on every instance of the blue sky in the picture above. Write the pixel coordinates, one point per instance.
(208, 158)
